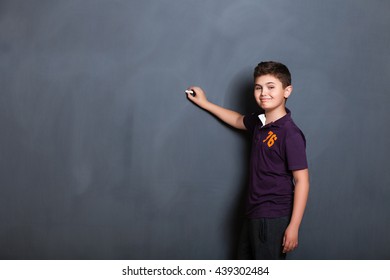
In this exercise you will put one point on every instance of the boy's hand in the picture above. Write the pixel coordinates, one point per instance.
(200, 98)
(230, 117)
(290, 240)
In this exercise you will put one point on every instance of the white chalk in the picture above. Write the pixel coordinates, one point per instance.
(190, 92)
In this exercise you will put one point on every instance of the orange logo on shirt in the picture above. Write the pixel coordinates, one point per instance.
(271, 138)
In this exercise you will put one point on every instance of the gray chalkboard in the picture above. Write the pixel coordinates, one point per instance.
(103, 157)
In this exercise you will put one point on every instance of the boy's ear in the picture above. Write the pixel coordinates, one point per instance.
(287, 91)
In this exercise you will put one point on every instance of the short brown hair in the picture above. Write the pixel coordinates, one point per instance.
(276, 69)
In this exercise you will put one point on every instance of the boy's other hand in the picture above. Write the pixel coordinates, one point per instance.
(290, 240)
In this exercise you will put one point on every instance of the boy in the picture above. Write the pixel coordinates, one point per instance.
(279, 177)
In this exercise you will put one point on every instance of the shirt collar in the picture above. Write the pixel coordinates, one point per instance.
(279, 122)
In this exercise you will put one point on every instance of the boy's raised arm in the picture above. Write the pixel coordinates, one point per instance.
(230, 117)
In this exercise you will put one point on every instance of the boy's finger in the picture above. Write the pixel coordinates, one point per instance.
(288, 247)
(190, 92)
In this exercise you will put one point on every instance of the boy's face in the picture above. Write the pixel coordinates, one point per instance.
(269, 92)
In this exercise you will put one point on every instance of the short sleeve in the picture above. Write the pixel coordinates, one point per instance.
(250, 122)
(296, 150)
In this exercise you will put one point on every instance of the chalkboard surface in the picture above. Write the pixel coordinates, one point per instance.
(103, 157)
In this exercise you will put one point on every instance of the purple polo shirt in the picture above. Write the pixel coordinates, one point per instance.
(278, 148)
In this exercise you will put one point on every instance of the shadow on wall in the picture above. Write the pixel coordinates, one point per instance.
(240, 98)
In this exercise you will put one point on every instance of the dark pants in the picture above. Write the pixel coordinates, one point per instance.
(262, 239)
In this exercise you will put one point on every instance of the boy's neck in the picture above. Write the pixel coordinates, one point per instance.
(275, 114)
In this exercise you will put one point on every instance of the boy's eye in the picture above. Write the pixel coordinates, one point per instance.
(271, 87)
